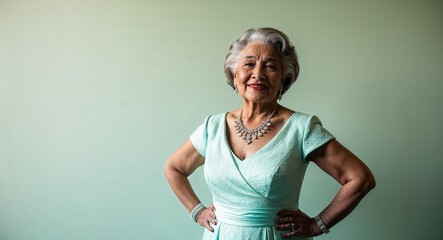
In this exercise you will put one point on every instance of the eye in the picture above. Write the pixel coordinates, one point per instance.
(249, 64)
(270, 66)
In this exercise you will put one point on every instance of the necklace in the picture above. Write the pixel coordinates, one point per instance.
(248, 135)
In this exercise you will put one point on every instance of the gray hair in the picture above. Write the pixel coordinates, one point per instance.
(269, 36)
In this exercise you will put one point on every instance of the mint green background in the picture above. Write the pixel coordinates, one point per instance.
(95, 95)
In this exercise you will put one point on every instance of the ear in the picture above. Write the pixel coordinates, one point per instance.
(282, 84)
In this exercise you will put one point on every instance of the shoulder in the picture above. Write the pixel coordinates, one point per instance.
(216, 118)
(213, 121)
(210, 127)
(306, 123)
(305, 118)
(302, 116)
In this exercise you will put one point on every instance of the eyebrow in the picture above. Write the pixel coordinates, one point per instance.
(249, 56)
(266, 59)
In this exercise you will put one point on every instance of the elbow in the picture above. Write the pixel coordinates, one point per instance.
(367, 183)
(362, 183)
(172, 171)
(168, 170)
(371, 183)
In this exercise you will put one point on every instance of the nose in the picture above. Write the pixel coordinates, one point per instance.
(258, 73)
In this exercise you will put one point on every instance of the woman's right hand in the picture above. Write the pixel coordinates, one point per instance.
(207, 217)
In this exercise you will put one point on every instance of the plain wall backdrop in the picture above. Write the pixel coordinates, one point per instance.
(95, 96)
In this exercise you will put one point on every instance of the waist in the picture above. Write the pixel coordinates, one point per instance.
(248, 217)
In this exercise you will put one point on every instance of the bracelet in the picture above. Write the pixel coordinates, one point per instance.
(196, 211)
(321, 224)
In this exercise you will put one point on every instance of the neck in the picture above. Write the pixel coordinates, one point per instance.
(255, 110)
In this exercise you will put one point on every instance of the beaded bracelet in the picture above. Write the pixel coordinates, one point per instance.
(321, 224)
(196, 211)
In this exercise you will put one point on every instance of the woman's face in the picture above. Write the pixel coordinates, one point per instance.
(259, 72)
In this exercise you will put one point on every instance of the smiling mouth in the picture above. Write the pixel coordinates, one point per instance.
(257, 86)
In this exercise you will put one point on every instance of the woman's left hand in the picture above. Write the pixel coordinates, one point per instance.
(296, 223)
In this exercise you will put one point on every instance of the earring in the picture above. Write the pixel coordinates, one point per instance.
(235, 88)
(280, 94)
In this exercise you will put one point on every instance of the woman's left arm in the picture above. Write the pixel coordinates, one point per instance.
(354, 176)
(356, 180)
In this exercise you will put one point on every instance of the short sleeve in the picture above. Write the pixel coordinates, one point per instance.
(199, 137)
(314, 136)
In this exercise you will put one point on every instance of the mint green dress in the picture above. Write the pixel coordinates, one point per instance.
(247, 194)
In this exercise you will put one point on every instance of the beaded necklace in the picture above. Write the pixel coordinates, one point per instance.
(251, 134)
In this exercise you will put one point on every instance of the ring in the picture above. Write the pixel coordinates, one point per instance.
(292, 225)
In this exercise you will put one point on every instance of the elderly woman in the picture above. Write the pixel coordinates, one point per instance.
(255, 157)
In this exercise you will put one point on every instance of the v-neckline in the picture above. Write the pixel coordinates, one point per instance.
(225, 132)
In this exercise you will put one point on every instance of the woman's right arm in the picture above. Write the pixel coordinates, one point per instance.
(179, 166)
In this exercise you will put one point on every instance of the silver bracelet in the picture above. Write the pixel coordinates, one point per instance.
(196, 211)
(321, 224)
